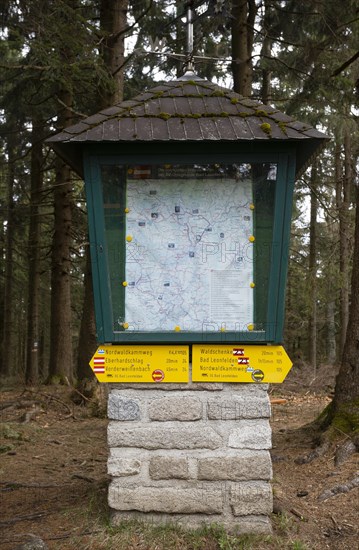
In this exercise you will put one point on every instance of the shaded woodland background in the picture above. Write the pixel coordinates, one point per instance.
(62, 60)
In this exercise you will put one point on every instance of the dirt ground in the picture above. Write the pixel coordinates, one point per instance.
(53, 480)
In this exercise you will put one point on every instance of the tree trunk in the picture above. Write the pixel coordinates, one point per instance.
(60, 364)
(243, 16)
(343, 203)
(8, 321)
(87, 337)
(331, 347)
(345, 406)
(33, 337)
(113, 20)
(265, 55)
(313, 272)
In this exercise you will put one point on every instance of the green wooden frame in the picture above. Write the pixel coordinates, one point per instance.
(283, 154)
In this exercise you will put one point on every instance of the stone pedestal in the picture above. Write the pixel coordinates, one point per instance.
(191, 453)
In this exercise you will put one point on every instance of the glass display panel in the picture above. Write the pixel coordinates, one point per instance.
(189, 246)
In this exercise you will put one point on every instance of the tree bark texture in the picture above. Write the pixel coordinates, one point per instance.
(243, 16)
(113, 20)
(265, 54)
(331, 347)
(8, 321)
(347, 382)
(33, 336)
(60, 364)
(87, 337)
(313, 271)
(343, 203)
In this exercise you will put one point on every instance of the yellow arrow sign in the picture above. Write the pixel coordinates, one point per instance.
(237, 363)
(141, 364)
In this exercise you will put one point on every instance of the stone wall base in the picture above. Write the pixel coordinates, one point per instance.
(191, 455)
(257, 525)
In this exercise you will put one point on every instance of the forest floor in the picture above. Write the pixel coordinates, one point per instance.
(53, 481)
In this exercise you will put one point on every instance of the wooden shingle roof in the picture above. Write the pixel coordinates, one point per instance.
(187, 109)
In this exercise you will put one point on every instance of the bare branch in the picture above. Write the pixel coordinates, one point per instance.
(24, 67)
(346, 64)
(82, 115)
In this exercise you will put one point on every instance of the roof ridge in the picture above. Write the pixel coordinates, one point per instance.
(187, 110)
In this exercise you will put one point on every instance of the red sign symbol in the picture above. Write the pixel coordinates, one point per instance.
(158, 375)
(99, 365)
(238, 351)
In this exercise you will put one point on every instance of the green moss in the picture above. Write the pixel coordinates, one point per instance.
(218, 93)
(175, 96)
(325, 413)
(346, 419)
(8, 432)
(158, 94)
(164, 116)
(283, 127)
(234, 100)
(56, 380)
(260, 112)
(266, 127)
(6, 448)
(203, 85)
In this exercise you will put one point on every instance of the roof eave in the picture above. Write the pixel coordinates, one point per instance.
(73, 156)
(71, 151)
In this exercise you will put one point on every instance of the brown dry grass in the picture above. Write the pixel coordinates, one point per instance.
(53, 480)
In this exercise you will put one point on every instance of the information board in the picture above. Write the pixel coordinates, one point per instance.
(236, 363)
(157, 364)
(189, 249)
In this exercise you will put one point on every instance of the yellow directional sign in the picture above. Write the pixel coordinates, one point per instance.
(157, 364)
(237, 363)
